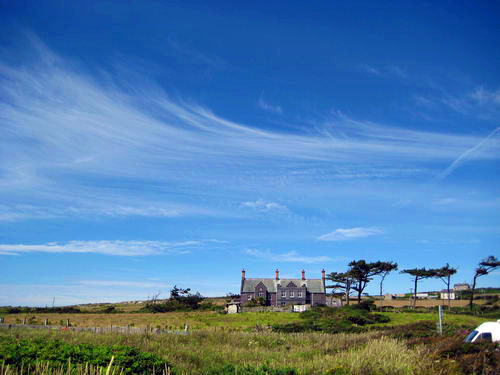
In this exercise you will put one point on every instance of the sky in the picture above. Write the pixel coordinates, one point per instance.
(150, 144)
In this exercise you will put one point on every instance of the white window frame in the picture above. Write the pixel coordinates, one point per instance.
(299, 294)
(292, 294)
(283, 294)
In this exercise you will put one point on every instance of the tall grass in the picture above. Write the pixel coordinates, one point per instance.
(308, 353)
(45, 368)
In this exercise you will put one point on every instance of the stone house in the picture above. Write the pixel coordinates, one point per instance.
(283, 292)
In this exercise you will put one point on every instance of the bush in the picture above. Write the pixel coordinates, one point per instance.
(477, 358)
(333, 320)
(60, 354)
(40, 310)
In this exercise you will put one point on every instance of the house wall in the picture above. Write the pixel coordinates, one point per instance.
(273, 299)
(318, 299)
(284, 295)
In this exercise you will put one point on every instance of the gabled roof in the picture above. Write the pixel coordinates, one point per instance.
(312, 285)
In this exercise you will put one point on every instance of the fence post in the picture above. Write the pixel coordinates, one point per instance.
(46, 323)
(67, 322)
(1, 320)
(440, 322)
(24, 320)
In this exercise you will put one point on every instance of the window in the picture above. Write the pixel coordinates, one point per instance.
(283, 303)
(283, 294)
(261, 294)
(292, 294)
(471, 336)
(299, 294)
(485, 336)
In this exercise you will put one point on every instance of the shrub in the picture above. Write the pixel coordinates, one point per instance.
(333, 320)
(60, 354)
(476, 358)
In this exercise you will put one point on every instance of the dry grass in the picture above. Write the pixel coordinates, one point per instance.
(197, 320)
(309, 353)
(172, 320)
(426, 302)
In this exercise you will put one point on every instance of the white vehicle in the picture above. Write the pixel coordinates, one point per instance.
(489, 331)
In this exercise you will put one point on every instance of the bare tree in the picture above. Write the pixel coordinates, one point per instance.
(485, 267)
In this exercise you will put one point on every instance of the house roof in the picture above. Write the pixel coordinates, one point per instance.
(312, 285)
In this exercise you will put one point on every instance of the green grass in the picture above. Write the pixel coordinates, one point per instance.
(308, 353)
(212, 320)
(409, 318)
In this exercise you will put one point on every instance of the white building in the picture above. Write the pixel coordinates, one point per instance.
(444, 295)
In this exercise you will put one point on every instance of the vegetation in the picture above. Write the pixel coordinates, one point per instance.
(419, 274)
(385, 269)
(57, 354)
(486, 266)
(357, 277)
(378, 344)
(180, 300)
(363, 272)
(445, 273)
(343, 282)
(40, 310)
(334, 320)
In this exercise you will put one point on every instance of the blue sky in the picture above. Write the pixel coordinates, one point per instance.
(147, 144)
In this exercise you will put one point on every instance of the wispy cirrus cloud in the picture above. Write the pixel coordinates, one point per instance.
(264, 206)
(384, 70)
(350, 234)
(470, 153)
(267, 106)
(116, 248)
(290, 256)
(68, 136)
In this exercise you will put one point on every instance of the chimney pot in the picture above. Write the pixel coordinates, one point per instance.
(303, 275)
(277, 274)
(323, 274)
(243, 274)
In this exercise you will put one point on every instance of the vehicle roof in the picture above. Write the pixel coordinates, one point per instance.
(489, 326)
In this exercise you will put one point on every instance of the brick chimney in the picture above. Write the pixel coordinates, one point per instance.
(277, 274)
(303, 275)
(323, 274)
(243, 274)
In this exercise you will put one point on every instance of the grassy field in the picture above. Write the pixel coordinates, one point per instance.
(211, 320)
(172, 320)
(219, 339)
(309, 354)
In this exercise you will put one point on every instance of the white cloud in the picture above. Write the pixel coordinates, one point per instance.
(118, 248)
(384, 71)
(468, 154)
(291, 256)
(262, 205)
(349, 234)
(67, 136)
(266, 106)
